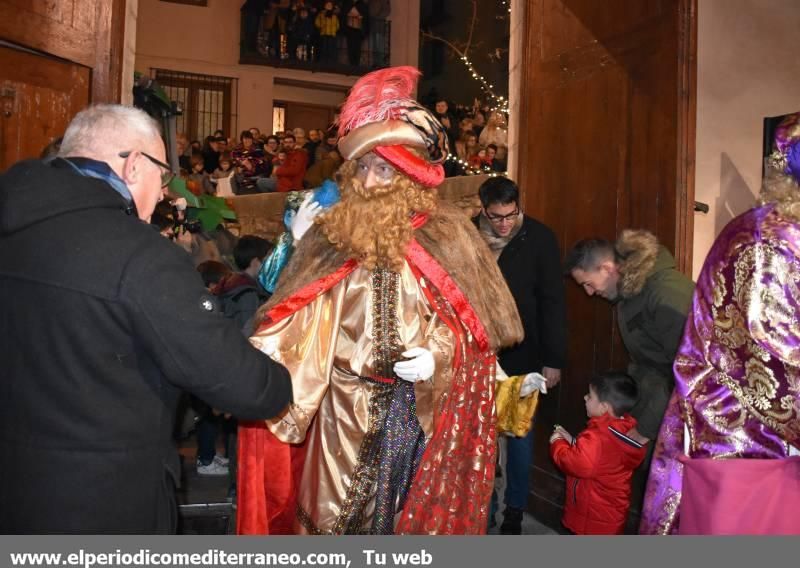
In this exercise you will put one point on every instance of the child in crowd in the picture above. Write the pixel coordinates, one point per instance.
(599, 463)
(225, 168)
(198, 181)
(239, 295)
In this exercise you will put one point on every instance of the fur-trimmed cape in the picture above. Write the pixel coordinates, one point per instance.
(452, 240)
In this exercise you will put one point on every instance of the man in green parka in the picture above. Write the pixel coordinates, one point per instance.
(638, 276)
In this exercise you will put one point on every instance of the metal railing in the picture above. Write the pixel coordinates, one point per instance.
(348, 53)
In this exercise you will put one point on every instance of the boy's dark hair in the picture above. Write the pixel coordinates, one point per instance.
(498, 190)
(588, 253)
(248, 248)
(212, 271)
(493, 147)
(616, 388)
(289, 135)
(245, 134)
(197, 158)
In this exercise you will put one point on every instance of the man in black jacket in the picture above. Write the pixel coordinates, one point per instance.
(104, 322)
(529, 258)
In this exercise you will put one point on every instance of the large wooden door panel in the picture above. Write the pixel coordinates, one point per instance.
(86, 32)
(62, 27)
(600, 150)
(40, 95)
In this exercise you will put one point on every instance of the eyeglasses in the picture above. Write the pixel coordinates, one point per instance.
(166, 172)
(500, 218)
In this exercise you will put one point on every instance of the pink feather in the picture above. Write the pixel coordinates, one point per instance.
(378, 96)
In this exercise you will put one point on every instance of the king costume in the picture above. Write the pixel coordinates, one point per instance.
(737, 374)
(362, 451)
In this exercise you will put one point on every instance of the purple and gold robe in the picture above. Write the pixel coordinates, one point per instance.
(737, 371)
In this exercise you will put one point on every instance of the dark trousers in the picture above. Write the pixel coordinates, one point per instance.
(518, 468)
(208, 429)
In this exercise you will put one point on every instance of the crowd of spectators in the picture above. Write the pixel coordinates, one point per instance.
(316, 30)
(478, 138)
(257, 163)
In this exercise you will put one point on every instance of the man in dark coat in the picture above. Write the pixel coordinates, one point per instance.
(104, 323)
(529, 258)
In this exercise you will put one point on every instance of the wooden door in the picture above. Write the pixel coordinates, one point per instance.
(308, 116)
(39, 95)
(607, 115)
(56, 57)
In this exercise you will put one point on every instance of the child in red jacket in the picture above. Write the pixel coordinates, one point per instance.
(599, 463)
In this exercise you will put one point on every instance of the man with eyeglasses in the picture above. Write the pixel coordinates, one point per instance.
(105, 323)
(529, 258)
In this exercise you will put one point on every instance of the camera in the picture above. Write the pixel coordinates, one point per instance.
(181, 223)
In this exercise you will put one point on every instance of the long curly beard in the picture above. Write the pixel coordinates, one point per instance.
(374, 226)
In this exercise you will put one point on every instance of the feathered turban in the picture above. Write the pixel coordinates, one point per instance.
(380, 116)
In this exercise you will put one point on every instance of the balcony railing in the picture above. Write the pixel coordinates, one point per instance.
(346, 53)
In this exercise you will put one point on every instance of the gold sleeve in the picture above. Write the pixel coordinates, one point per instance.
(305, 343)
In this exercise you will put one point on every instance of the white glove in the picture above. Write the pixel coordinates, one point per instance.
(533, 382)
(304, 217)
(418, 367)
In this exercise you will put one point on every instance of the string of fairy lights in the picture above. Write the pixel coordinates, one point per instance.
(499, 102)
(485, 170)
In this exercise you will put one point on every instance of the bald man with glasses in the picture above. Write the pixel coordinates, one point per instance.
(104, 323)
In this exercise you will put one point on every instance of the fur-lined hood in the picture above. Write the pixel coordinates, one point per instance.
(641, 256)
(451, 238)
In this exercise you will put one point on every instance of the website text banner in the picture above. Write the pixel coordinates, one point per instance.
(392, 552)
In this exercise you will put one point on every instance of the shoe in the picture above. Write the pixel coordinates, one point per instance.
(222, 460)
(512, 521)
(214, 468)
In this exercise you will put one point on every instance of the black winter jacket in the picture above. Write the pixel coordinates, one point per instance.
(531, 265)
(102, 324)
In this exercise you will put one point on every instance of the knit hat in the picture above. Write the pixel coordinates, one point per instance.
(380, 116)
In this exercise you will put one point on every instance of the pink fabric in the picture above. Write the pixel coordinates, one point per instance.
(740, 496)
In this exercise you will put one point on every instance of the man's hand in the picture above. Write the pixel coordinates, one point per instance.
(560, 433)
(418, 367)
(552, 376)
(184, 239)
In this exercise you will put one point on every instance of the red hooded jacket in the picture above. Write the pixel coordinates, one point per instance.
(599, 467)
